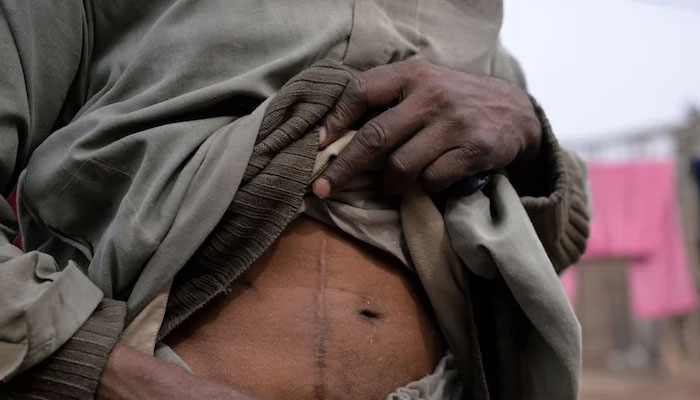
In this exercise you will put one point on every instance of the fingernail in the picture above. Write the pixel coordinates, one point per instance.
(321, 188)
(322, 134)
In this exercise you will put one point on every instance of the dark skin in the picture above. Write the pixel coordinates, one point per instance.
(442, 126)
(130, 375)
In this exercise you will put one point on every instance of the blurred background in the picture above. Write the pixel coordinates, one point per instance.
(620, 81)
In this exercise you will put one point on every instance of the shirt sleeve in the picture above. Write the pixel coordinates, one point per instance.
(42, 304)
(554, 190)
(556, 197)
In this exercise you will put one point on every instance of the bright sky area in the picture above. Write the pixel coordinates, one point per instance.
(607, 67)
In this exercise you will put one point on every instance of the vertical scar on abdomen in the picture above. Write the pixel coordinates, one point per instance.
(321, 325)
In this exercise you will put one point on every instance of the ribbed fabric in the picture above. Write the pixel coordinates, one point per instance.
(73, 372)
(270, 194)
(558, 204)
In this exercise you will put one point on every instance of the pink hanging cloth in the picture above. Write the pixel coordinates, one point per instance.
(636, 217)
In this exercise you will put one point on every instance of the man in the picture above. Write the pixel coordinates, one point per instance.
(140, 120)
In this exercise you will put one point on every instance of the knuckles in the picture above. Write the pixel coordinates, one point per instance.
(341, 112)
(441, 95)
(341, 170)
(422, 70)
(351, 102)
(356, 90)
(372, 137)
(471, 149)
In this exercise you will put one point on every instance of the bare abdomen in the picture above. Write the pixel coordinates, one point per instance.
(319, 316)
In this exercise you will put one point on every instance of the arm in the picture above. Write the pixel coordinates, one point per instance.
(447, 125)
(132, 375)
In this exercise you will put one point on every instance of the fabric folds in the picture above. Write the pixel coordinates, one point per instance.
(271, 193)
(74, 370)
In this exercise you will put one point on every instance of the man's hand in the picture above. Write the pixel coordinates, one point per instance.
(132, 375)
(444, 126)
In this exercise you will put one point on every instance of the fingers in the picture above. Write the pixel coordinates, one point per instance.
(378, 136)
(452, 166)
(451, 143)
(378, 87)
(407, 162)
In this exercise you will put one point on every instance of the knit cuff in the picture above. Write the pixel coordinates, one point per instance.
(74, 370)
(557, 199)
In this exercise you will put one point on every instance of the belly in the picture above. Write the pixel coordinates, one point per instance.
(320, 316)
